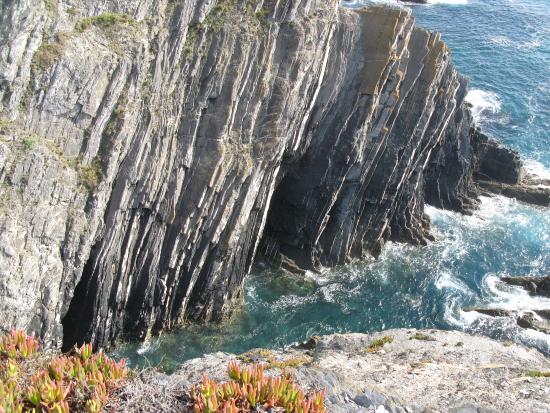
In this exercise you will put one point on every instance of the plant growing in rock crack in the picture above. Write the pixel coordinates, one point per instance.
(422, 337)
(104, 21)
(48, 52)
(249, 389)
(29, 142)
(377, 344)
(91, 175)
(538, 374)
(31, 381)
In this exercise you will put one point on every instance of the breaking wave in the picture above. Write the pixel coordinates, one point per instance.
(483, 103)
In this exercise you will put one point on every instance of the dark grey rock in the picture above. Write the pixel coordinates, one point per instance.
(493, 312)
(535, 285)
(498, 164)
(532, 321)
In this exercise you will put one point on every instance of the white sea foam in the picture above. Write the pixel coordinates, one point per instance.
(360, 3)
(483, 103)
(448, 1)
(537, 168)
(505, 41)
(448, 281)
(501, 40)
(511, 298)
(150, 345)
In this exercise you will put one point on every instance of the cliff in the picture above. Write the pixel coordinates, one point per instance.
(150, 151)
(414, 371)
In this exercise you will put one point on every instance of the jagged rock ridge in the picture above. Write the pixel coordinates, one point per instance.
(150, 150)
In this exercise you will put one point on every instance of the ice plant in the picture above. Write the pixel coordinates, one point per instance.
(248, 389)
(17, 344)
(81, 381)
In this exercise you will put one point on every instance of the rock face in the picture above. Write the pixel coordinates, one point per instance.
(150, 150)
(500, 171)
(443, 372)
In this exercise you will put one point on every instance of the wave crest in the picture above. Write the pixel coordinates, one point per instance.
(483, 103)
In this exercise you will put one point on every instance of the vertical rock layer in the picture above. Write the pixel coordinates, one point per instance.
(150, 150)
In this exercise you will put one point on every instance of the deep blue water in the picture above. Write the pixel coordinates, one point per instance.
(504, 48)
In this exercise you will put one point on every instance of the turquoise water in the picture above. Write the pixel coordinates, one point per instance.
(504, 47)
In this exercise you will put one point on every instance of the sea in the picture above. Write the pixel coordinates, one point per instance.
(503, 47)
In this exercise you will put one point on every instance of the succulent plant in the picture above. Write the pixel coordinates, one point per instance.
(72, 382)
(18, 345)
(248, 389)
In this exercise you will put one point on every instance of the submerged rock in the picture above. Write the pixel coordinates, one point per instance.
(455, 372)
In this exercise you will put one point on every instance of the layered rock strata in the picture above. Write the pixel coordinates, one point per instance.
(150, 150)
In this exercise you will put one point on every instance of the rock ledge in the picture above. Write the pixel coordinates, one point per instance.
(419, 371)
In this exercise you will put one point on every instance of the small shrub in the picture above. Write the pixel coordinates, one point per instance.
(90, 176)
(262, 14)
(379, 343)
(104, 21)
(29, 142)
(283, 364)
(47, 54)
(538, 374)
(51, 6)
(248, 388)
(81, 381)
(422, 337)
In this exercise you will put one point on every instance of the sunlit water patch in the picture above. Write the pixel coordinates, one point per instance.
(504, 48)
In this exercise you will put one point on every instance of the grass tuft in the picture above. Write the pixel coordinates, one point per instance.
(104, 21)
(422, 337)
(90, 176)
(538, 374)
(377, 344)
(48, 53)
(292, 362)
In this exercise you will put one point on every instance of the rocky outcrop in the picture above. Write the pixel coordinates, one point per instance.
(537, 319)
(535, 285)
(500, 171)
(428, 371)
(150, 150)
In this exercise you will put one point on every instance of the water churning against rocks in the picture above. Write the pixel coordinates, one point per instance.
(504, 47)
